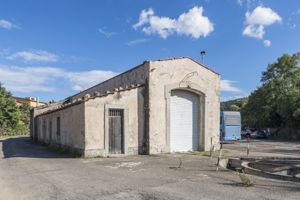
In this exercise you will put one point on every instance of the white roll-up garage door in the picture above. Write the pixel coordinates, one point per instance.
(184, 121)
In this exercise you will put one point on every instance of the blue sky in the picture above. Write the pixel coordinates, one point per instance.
(53, 49)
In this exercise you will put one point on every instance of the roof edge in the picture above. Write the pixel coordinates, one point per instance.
(186, 57)
(89, 97)
(140, 65)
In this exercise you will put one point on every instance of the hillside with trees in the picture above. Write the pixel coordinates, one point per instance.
(234, 105)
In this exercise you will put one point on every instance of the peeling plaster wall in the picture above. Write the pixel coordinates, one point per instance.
(137, 75)
(132, 100)
(72, 128)
(168, 72)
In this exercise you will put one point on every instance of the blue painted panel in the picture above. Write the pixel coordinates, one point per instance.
(232, 133)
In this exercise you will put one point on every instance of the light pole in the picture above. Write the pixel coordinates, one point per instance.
(203, 53)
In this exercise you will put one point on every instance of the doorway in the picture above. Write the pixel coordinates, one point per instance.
(184, 121)
(116, 131)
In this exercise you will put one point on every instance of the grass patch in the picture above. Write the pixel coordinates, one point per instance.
(11, 136)
(4, 136)
(246, 181)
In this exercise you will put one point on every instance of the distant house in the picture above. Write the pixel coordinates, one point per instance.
(165, 105)
(32, 101)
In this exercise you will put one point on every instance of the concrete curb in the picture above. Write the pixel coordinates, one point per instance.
(243, 164)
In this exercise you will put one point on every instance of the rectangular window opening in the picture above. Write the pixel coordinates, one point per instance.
(58, 125)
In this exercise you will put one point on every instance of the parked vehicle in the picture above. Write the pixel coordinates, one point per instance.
(261, 134)
(230, 126)
(249, 133)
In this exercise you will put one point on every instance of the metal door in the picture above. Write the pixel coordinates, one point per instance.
(116, 131)
(184, 121)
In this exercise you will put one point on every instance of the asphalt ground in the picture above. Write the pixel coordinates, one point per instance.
(30, 171)
(261, 148)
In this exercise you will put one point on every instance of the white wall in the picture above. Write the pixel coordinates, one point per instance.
(72, 127)
(173, 71)
(132, 100)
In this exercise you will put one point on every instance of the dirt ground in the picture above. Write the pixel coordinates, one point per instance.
(30, 171)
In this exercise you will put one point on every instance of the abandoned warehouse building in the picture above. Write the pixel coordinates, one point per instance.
(167, 105)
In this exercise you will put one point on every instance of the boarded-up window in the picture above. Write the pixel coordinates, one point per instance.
(58, 125)
(44, 129)
(50, 130)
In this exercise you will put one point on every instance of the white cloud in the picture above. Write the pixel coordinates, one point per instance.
(226, 86)
(192, 23)
(262, 16)
(254, 31)
(77, 88)
(106, 33)
(258, 19)
(228, 98)
(7, 24)
(249, 4)
(240, 2)
(28, 79)
(34, 56)
(137, 41)
(86, 79)
(4, 52)
(47, 79)
(267, 43)
(144, 18)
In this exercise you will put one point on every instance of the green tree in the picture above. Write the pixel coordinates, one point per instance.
(277, 102)
(9, 112)
(23, 125)
(25, 113)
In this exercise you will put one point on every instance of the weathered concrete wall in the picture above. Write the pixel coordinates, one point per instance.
(72, 128)
(137, 75)
(185, 74)
(95, 120)
(38, 111)
(84, 125)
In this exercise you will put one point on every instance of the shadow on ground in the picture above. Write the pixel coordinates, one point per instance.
(23, 147)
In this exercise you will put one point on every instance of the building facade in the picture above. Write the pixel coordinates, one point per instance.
(32, 101)
(167, 105)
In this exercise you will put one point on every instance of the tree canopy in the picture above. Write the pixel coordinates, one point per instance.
(276, 103)
(13, 119)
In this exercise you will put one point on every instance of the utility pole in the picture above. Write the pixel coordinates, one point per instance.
(202, 53)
